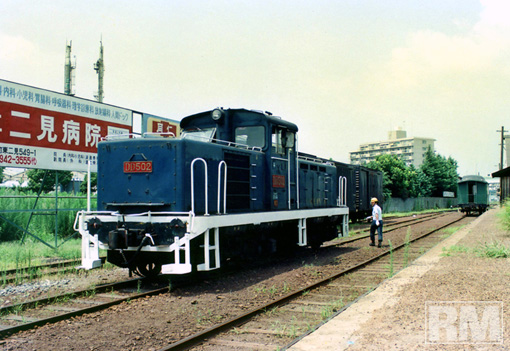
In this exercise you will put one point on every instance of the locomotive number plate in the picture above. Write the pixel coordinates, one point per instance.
(278, 181)
(138, 167)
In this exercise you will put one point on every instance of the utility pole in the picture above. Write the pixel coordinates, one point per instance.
(502, 131)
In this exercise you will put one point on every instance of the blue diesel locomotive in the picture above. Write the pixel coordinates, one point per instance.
(233, 185)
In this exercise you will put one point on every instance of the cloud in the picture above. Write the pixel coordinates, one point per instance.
(15, 48)
(24, 62)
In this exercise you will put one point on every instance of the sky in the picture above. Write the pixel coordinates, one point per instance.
(345, 71)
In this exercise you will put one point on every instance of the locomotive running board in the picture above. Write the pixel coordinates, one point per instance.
(205, 224)
(196, 226)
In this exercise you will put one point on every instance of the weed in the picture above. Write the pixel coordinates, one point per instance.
(328, 310)
(455, 249)
(17, 309)
(407, 246)
(272, 312)
(391, 273)
(493, 250)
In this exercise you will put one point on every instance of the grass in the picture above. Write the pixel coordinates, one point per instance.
(454, 250)
(14, 255)
(32, 252)
(16, 207)
(492, 249)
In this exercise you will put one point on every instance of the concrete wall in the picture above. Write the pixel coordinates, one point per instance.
(416, 204)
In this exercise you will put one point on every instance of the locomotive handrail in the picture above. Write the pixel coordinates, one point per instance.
(120, 136)
(314, 159)
(222, 163)
(342, 191)
(229, 143)
(150, 213)
(297, 171)
(288, 181)
(193, 185)
(148, 134)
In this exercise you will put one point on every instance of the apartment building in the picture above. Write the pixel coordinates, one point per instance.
(410, 150)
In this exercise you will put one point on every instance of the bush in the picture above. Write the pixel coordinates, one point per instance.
(505, 215)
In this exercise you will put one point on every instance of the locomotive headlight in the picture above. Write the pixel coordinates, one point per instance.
(216, 114)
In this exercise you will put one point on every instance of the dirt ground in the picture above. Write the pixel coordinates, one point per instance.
(153, 322)
(394, 316)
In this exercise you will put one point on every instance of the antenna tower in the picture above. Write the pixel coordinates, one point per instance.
(99, 67)
(69, 74)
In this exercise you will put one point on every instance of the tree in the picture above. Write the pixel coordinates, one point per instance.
(440, 173)
(1, 174)
(399, 180)
(436, 175)
(93, 183)
(36, 177)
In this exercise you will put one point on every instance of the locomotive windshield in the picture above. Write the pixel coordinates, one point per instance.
(250, 136)
(195, 133)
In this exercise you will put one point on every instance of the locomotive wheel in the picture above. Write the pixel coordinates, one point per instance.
(149, 269)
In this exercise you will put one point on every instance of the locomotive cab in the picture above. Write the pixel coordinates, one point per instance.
(261, 149)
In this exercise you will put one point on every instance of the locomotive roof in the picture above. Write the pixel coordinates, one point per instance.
(253, 115)
(472, 178)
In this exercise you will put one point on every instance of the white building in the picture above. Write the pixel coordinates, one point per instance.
(410, 150)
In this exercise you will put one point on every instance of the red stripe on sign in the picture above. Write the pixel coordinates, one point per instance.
(36, 127)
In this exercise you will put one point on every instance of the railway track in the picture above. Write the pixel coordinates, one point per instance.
(34, 313)
(280, 323)
(390, 227)
(280, 328)
(30, 273)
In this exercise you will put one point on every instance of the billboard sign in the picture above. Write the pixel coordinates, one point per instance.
(48, 130)
(158, 125)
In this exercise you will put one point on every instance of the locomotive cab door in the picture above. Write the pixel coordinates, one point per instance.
(283, 169)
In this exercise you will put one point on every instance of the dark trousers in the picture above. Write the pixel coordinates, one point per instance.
(375, 227)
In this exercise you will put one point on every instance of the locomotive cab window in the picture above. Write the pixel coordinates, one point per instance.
(198, 134)
(282, 139)
(253, 137)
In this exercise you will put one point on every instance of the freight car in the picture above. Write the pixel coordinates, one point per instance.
(363, 183)
(473, 195)
(232, 183)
